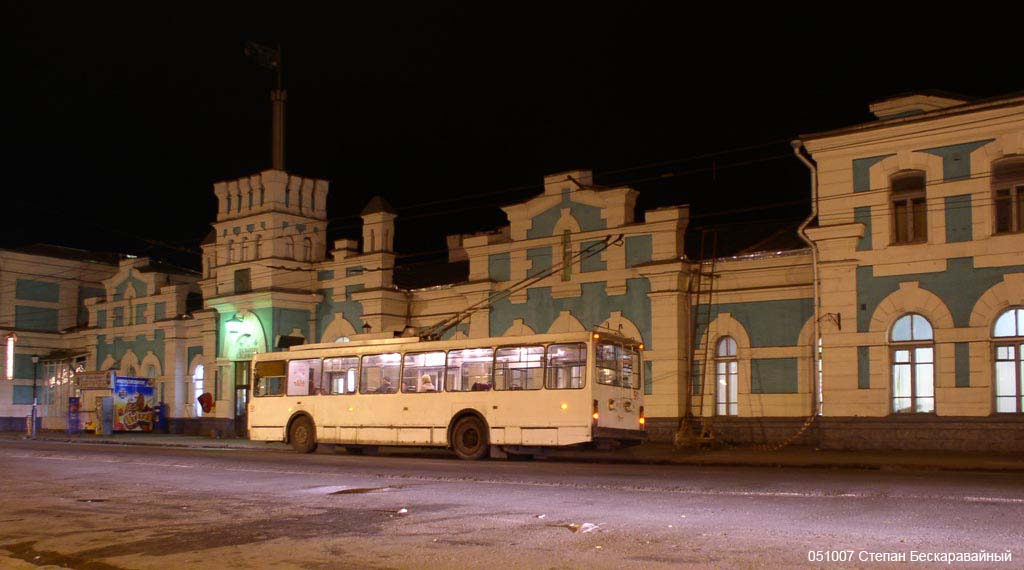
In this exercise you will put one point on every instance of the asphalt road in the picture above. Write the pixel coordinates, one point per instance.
(104, 507)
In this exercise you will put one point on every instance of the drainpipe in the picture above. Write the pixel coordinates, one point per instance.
(798, 150)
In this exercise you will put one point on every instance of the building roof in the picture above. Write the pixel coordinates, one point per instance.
(377, 205)
(69, 253)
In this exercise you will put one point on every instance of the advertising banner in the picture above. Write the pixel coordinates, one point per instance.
(94, 380)
(73, 425)
(133, 404)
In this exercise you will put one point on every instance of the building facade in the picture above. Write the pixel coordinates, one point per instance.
(907, 281)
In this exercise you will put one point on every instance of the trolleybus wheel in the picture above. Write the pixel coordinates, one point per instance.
(469, 438)
(302, 435)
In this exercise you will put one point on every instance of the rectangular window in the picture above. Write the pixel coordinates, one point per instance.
(630, 368)
(243, 280)
(304, 378)
(565, 366)
(423, 371)
(340, 374)
(380, 373)
(909, 208)
(469, 369)
(519, 368)
(1009, 210)
(270, 378)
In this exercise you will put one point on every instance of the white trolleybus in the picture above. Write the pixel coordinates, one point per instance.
(478, 397)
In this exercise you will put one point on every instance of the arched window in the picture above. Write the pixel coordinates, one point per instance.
(258, 247)
(263, 194)
(245, 250)
(1009, 332)
(250, 198)
(287, 197)
(231, 251)
(913, 365)
(1008, 195)
(289, 248)
(909, 207)
(307, 249)
(727, 377)
(239, 200)
(150, 371)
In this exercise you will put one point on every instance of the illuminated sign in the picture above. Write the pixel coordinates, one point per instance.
(11, 339)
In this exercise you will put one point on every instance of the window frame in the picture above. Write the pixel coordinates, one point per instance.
(914, 365)
(731, 375)
(911, 196)
(1015, 343)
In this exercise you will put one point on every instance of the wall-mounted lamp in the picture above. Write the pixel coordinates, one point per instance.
(366, 328)
(12, 339)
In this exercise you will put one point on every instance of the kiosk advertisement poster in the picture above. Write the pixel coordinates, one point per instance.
(133, 404)
(73, 424)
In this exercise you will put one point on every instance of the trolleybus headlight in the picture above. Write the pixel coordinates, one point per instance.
(611, 403)
(628, 405)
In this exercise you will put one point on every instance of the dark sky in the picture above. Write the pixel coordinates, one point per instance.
(118, 118)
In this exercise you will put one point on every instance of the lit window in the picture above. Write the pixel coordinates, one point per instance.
(727, 377)
(1008, 196)
(913, 365)
(909, 208)
(1009, 384)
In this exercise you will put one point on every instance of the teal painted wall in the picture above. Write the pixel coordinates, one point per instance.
(160, 311)
(862, 171)
(499, 266)
(139, 285)
(101, 318)
(325, 275)
(962, 352)
(140, 314)
(696, 380)
(958, 218)
(588, 217)
(540, 260)
(639, 249)
(592, 261)
(956, 159)
(464, 328)
(35, 318)
(24, 367)
(959, 287)
(862, 214)
(118, 317)
(287, 319)
(592, 307)
(87, 293)
(33, 290)
(648, 377)
(768, 323)
(193, 351)
(863, 367)
(773, 376)
(351, 311)
(140, 346)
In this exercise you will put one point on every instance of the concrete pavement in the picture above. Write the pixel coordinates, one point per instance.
(648, 453)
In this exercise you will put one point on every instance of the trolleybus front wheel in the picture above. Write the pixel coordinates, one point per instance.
(302, 435)
(469, 438)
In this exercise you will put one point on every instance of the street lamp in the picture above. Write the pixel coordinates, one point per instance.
(35, 400)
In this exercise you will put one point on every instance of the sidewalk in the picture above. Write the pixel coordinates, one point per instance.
(649, 453)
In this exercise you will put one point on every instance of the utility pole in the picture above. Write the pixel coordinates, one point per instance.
(35, 398)
(270, 58)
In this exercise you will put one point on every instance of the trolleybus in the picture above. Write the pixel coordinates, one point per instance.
(478, 397)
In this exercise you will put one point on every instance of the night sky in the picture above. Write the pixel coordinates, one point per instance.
(120, 117)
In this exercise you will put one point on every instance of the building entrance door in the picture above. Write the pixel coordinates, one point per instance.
(242, 398)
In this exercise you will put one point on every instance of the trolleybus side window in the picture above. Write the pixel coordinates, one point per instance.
(607, 358)
(469, 369)
(380, 373)
(340, 374)
(269, 378)
(565, 366)
(304, 377)
(519, 368)
(423, 371)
